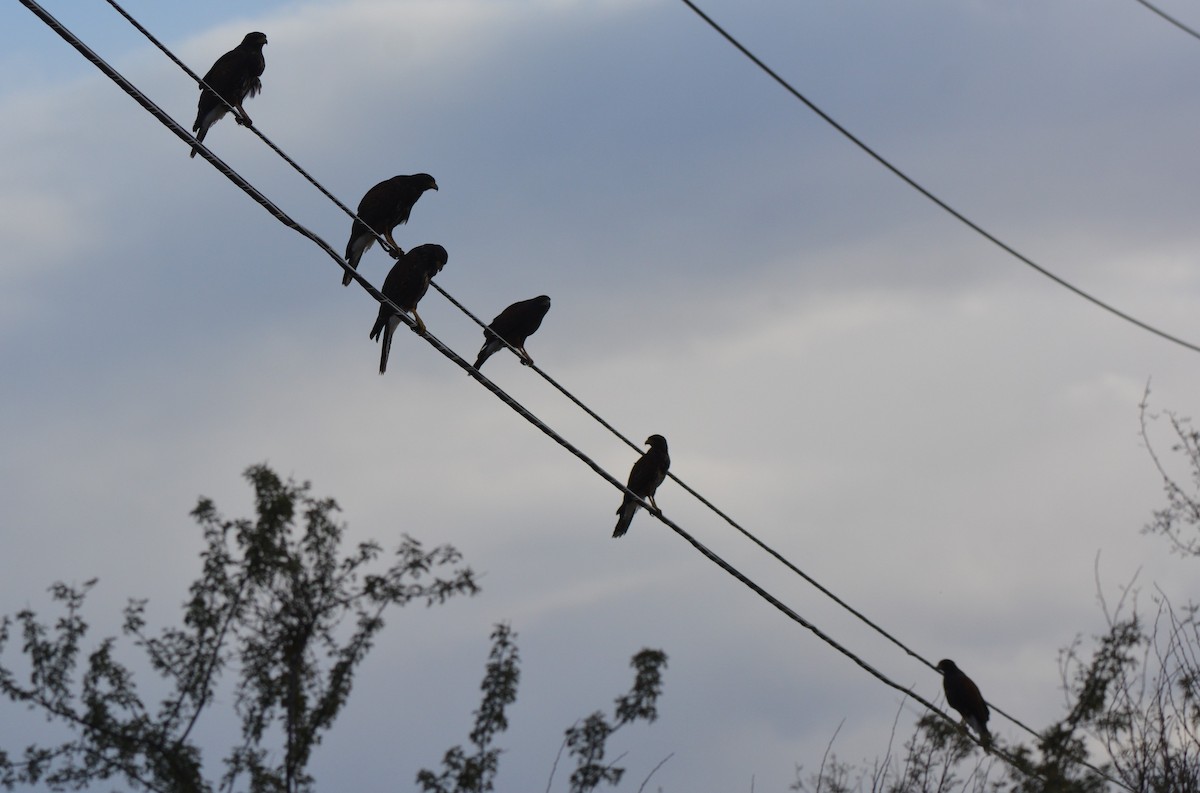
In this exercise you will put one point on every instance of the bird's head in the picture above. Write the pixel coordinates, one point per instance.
(543, 301)
(656, 442)
(946, 666)
(255, 39)
(430, 257)
(425, 181)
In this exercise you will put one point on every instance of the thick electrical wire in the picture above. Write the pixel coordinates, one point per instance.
(280, 215)
(554, 383)
(542, 373)
(545, 375)
(879, 158)
(284, 218)
(1170, 19)
(436, 343)
(520, 409)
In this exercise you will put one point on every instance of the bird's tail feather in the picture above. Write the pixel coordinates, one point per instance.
(985, 737)
(203, 122)
(387, 342)
(626, 510)
(488, 349)
(200, 133)
(354, 250)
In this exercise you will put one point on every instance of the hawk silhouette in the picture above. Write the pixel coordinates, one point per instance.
(405, 285)
(963, 695)
(385, 206)
(233, 77)
(514, 324)
(644, 478)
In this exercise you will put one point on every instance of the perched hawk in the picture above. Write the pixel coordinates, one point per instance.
(514, 324)
(405, 285)
(385, 206)
(235, 77)
(647, 474)
(963, 695)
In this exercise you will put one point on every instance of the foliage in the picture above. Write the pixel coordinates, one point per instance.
(586, 740)
(1179, 520)
(1137, 696)
(477, 772)
(276, 606)
(938, 758)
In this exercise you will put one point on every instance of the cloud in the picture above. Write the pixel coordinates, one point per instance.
(940, 435)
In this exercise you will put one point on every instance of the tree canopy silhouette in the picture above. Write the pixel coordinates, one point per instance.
(279, 616)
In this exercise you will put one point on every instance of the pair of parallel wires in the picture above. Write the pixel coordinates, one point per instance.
(284, 218)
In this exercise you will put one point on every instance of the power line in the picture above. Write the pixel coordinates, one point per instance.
(559, 387)
(284, 218)
(929, 195)
(550, 380)
(562, 390)
(525, 413)
(1170, 19)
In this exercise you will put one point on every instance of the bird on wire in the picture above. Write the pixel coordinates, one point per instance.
(385, 206)
(644, 478)
(963, 695)
(234, 77)
(514, 325)
(405, 285)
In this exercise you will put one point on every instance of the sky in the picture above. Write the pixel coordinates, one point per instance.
(945, 438)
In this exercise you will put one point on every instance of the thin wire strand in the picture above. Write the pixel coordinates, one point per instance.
(513, 404)
(879, 158)
(1170, 19)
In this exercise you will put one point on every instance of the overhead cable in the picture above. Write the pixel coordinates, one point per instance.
(545, 375)
(437, 344)
(554, 383)
(1170, 19)
(925, 192)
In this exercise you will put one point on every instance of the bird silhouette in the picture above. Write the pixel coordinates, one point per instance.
(963, 695)
(644, 478)
(234, 77)
(385, 206)
(405, 285)
(514, 325)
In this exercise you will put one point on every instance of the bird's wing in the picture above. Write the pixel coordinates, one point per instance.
(507, 321)
(227, 73)
(643, 477)
(519, 321)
